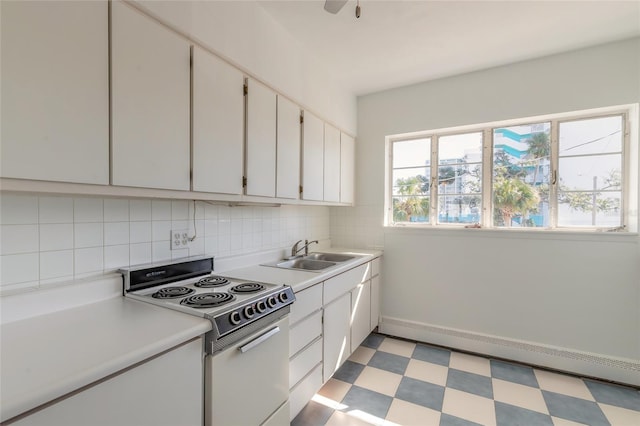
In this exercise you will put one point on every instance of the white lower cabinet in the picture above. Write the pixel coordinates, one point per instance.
(360, 314)
(328, 322)
(302, 393)
(153, 393)
(337, 335)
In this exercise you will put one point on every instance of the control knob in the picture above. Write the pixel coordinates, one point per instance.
(235, 318)
(272, 302)
(249, 312)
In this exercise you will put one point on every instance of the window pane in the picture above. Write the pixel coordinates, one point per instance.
(411, 153)
(460, 178)
(411, 181)
(589, 209)
(594, 172)
(521, 166)
(593, 136)
(459, 208)
(410, 208)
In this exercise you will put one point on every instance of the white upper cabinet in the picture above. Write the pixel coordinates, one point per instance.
(261, 140)
(150, 77)
(331, 163)
(288, 154)
(312, 158)
(55, 91)
(218, 124)
(347, 168)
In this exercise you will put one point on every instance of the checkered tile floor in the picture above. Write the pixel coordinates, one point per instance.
(390, 382)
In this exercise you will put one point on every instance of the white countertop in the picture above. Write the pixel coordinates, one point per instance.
(48, 356)
(300, 279)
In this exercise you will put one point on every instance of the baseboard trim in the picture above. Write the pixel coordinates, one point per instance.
(621, 370)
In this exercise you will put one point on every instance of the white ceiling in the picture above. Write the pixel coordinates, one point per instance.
(395, 43)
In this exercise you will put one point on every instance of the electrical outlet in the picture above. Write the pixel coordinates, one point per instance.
(179, 239)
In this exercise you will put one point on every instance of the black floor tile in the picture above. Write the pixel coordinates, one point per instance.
(389, 362)
(574, 409)
(368, 401)
(431, 354)
(509, 415)
(513, 373)
(349, 371)
(449, 420)
(470, 382)
(615, 395)
(421, 393)
(313, 414)
(373, 341)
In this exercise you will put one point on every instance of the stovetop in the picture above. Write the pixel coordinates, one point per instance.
(206, 296)
(190, 286)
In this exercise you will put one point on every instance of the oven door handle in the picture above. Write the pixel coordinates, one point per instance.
(255, 342)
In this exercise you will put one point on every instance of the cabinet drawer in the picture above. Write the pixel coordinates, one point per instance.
(307, 301)
(305, 332)
(375, 266)
(345, 282)
(304, 391)
(304, 362)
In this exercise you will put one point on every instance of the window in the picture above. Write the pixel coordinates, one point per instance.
(566, 171)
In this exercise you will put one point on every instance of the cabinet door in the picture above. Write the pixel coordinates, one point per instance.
(337, 335)
(331, 163)
(218, 124)
(150, 94)
(360, 314)
(55, 91)
(288, 157)
(347, 168)
(261, 140)
(154, 393)
(375, 302)
(312, 158)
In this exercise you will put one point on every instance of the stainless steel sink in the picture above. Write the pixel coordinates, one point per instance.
(304, 264)
(329, 257)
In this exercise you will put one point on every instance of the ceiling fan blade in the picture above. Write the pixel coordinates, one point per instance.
(334, 6)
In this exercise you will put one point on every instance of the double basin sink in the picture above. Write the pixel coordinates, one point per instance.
(312, 261)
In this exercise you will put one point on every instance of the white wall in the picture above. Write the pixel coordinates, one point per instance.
(573, 292)
(243, 33)
(49, 241)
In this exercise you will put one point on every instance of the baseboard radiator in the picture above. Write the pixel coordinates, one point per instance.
(621, 370)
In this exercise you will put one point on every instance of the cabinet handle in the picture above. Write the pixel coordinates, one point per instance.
(255, 342)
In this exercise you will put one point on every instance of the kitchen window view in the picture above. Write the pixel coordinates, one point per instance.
(558, 173)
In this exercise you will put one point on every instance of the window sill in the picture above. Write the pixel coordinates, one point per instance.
(517, 233)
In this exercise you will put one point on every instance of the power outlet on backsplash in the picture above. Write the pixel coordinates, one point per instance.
(179, 239)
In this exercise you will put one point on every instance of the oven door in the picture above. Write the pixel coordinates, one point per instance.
(248, 381)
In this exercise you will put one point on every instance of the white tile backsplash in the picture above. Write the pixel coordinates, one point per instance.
(16, 209)
(16, 239)
(88, 235)
(19, 268)
(140, 210)
(56, 264)
(56, 236)
(116, 233)
(88, 210)
(116, 210)
(55, 210)
(140, 232)
(47, 240)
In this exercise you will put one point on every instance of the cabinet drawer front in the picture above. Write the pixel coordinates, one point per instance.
(305, 332)
(307, 301)
(305, 390)
(304, 362)
(345, 282)
(375, 266)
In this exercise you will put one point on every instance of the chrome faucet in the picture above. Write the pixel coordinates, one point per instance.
(307, 243)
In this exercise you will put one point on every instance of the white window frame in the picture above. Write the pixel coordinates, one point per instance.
(629, 176)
